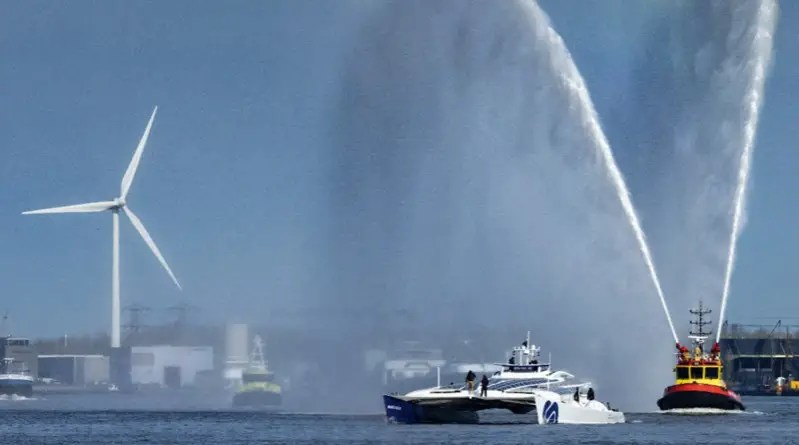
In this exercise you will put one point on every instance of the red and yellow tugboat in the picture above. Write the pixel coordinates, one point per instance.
(699, 382)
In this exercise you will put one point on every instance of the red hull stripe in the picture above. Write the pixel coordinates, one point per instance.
(699, 387)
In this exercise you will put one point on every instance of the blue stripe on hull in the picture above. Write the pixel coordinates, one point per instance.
(400, 411)
(15, 382)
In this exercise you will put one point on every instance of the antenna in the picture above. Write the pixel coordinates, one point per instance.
(257, 353)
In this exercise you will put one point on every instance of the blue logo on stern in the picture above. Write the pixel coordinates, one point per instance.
(551, 412)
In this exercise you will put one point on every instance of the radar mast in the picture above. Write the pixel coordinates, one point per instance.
(698, 333)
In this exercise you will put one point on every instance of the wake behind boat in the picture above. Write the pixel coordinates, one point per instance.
(523, 385)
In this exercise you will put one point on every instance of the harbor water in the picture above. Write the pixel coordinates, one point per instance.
(165, 419)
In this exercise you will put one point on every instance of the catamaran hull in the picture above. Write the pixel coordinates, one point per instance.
(697, 395)
(401, 411)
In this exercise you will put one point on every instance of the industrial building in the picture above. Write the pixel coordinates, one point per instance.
(757, 355)
(169, 366)
(78, 370)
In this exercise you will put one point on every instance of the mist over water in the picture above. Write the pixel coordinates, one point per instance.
(467, 201)
(470, 202)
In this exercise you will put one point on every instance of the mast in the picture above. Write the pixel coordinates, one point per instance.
(698, 333)
(257, 354)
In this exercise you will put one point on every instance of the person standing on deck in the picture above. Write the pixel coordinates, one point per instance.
(470, 376)
(484, 386)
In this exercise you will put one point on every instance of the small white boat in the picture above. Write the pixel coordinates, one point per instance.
(15, 378)
(522, 385)
(553, 407)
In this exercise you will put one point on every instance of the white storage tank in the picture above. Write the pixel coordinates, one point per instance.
(237, 343)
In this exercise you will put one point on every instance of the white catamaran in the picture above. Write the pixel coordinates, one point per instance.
(522, 385)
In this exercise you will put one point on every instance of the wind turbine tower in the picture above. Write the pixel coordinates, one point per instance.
(114, 207)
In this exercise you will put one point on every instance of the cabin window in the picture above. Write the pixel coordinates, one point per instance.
(682, 372)
(712, 372)
(696, 372)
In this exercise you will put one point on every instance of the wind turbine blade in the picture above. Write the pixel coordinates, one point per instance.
(130, 173)
(90, 207)
(147, 239)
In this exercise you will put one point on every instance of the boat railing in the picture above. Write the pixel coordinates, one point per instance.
(7, 367)
(515, 385)
(451, 385)
(532, 367)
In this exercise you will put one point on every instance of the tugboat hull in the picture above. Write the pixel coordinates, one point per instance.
(698, 395)
(256, 399)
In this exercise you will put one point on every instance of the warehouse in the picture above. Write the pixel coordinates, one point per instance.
(75, 369)
(170, 366)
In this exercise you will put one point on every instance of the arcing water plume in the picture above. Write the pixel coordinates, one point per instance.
(760, 51)
(590, 123)
(679, 131)
(469, 200)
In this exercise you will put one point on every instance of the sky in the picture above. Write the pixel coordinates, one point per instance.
(233, 180)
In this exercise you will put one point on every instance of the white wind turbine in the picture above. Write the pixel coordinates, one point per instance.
(114, 206)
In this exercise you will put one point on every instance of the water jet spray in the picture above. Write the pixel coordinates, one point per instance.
(575, 85)
(762, 44)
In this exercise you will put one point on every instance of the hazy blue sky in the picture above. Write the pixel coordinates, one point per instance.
(231, 182)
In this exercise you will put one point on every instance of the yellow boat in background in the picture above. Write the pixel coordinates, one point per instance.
(258, 387)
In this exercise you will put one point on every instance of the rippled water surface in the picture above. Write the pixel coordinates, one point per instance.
(121, 419)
